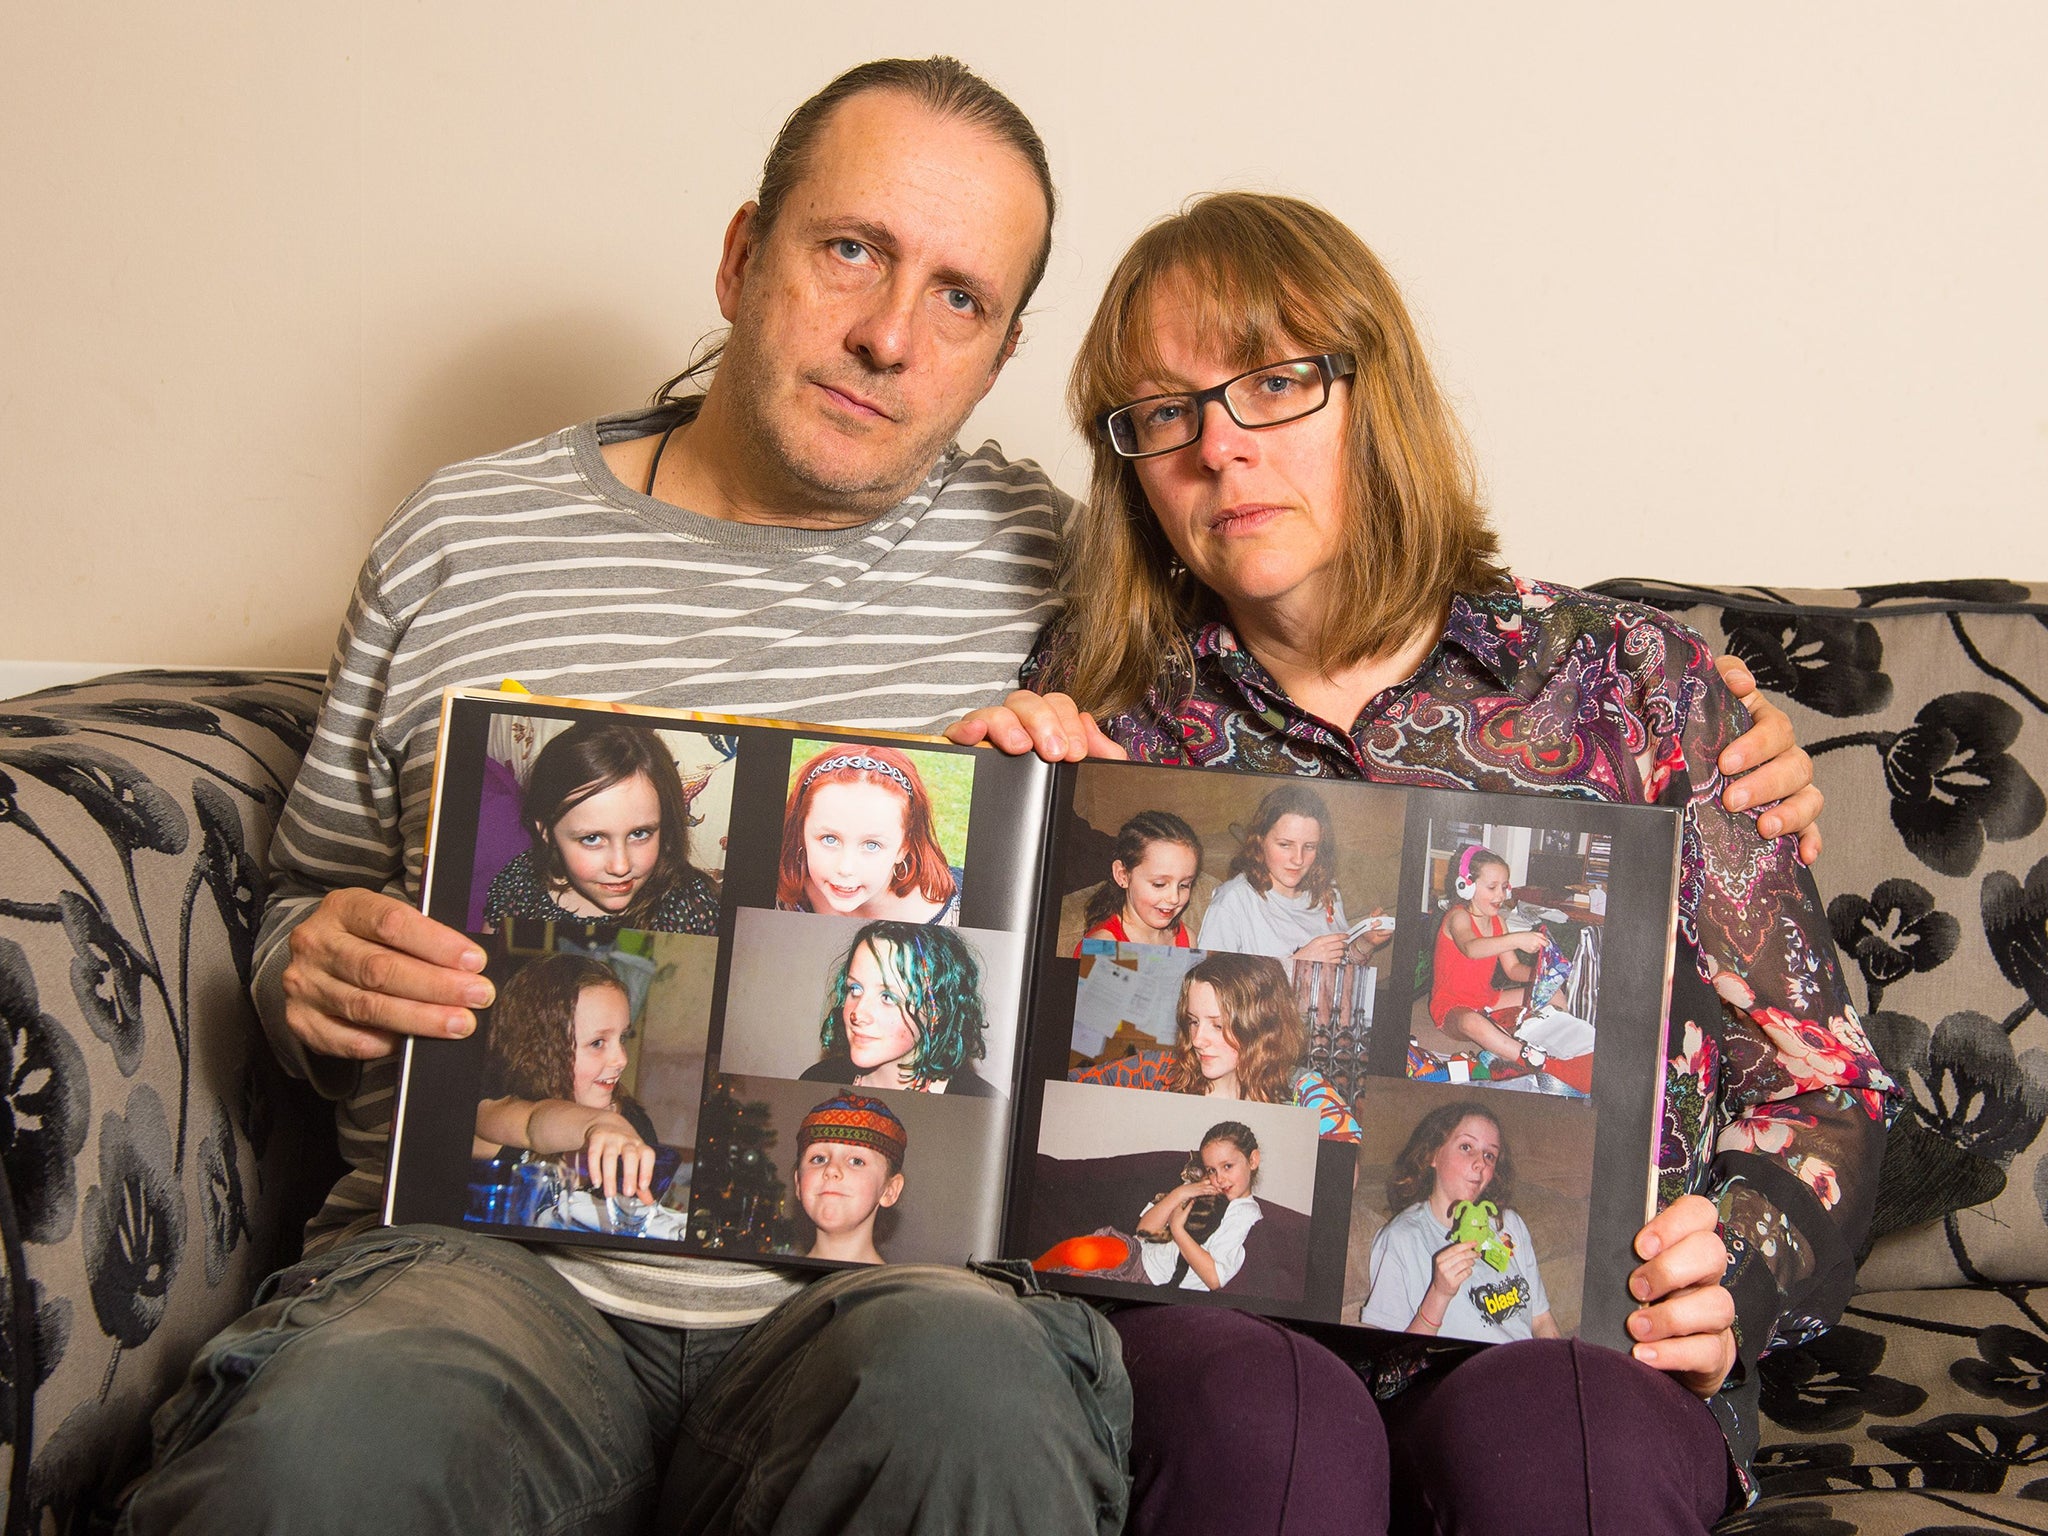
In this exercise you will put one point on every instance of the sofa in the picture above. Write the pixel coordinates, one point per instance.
(157, 1164)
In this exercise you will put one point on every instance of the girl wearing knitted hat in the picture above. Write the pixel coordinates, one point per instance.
(849, 1165)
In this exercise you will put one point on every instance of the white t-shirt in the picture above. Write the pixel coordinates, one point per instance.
(1239, 919)
(1489, 1306)
(1225, 1247)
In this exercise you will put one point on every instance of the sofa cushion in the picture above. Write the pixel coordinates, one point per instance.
(1926, 710)
(156, 1162)
(1922, 1411)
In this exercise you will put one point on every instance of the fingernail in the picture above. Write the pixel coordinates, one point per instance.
(460, 1025)
(1650, 1246)
(472, 960)
(1057, 745)
(1639, 1288)
(1737, 799)
(1768, 826)
(1639, 1323)
(1646, 1353)
(478, 996)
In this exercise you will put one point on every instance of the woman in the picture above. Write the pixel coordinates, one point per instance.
(904, 1010)
(1259, 581)
(1456, 1156)
(1238, 1035)
(605, 809)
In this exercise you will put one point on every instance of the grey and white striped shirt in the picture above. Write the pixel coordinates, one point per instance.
(537, 564)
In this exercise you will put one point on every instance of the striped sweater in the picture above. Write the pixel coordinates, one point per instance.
(537, 564)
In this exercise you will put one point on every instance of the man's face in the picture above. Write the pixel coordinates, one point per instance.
(874, 315)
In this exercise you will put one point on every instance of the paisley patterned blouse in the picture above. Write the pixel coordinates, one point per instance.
(1775, 1103)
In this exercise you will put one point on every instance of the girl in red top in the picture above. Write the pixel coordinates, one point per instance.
(1151, 876)
(1473, 939)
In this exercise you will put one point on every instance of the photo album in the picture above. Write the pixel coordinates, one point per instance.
(1313, 1048)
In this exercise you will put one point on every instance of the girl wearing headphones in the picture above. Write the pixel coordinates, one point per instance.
(1472, 942)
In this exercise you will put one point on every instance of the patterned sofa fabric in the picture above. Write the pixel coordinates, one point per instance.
(1926, 710)
(157, 1162)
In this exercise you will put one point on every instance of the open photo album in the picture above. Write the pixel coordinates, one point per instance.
(1299, 1046)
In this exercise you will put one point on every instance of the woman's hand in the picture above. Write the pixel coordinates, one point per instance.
(1686, 1323)
(1329, 948)
(1050, 724)
(1771, 766)
(616, 1157)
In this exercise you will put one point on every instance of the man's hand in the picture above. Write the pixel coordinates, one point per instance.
(1764, 764)
(1685, 1324)
(1050, 724)
(367, 969)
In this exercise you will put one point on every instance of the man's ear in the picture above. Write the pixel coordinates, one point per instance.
(893, 1190)
(742, 236)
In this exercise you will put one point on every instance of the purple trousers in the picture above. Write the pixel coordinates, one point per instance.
(1246, 1428)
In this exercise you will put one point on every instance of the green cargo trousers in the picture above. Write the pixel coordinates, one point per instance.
(423, 1380)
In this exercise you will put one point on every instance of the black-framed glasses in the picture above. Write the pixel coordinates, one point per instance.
(1264, 397)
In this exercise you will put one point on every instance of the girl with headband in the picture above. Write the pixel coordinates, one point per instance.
(857, 840)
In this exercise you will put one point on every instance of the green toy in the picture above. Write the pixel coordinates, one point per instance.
(1474, 1224)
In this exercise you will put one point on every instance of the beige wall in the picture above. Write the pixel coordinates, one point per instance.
(1773, 271)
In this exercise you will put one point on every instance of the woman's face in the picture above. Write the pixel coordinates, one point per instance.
(610, 844)
(1464, 1164)
(1230, 1169)
(1157, 889)
(602, 1018)
(1208, 1033)
(879, 1030)
(1289, 849)
(1257, 515)
(840, 1185)
(853, 838)
(1489, 889)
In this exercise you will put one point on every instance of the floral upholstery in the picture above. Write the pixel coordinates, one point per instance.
(1925, 707)
(157, 1163)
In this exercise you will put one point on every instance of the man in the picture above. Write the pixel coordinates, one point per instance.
(801, 541)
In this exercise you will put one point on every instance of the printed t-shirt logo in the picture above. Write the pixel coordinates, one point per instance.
(1501, 1300)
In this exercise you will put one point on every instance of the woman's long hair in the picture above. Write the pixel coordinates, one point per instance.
(587, 759)
(922, 868)
(938, 977)
(1259, 1016)
(1289, 800)
(1412, 1177)
(1269, 278)
(531, 1050)
(1132, 839)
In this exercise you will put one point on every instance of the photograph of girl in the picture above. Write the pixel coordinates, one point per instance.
(879, 1006)
(606, 818)
(1152, 872)
(785, 1168)
(1474, 947)
(1155, 1191)
(1456, 1260)
(861, 836)
(555, 1056)
(849, 1169)
(1281, 898)
(1238, 1034)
